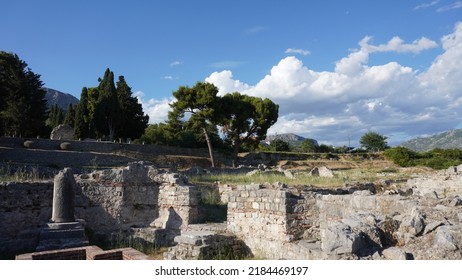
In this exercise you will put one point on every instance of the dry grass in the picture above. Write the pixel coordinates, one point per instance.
(302, 177)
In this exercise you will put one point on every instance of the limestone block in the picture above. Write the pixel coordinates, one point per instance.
(413, 223)
(394, 253)
(338, 238)
(444, 239)
(432, 226)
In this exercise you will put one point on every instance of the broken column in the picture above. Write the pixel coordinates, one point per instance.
(63, 231)
(63, 197)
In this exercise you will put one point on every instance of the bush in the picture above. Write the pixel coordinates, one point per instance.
(401, 156)
(28, 144)
(65, 146)
(436, 159)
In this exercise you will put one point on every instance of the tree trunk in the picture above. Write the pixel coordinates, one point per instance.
(236, 147)
(209, 145)
(111, 131)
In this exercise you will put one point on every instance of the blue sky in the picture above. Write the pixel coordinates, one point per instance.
(337, 68)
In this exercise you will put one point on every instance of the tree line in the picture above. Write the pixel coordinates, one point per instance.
(23, 108)
(108, 110)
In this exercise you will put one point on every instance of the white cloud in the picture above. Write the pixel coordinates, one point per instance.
(426, 5)
(396, 44)
(297, 51)
(453, 6)
(170, 78)
(356, 97)
(225, 82)
(157, 110)
(176, 63)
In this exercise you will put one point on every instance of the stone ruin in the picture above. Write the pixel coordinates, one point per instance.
(63, 231)
(423, 221)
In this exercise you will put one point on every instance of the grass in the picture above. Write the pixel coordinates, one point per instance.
(121, 240)
(19, 174)
(340, 178)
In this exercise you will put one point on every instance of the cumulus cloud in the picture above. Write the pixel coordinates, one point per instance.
(157, 110)
(297, 51)
(396, 44)
(356, 97)
(225, 82)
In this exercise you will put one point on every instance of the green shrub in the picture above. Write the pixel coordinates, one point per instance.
(436, 159)
(210, 196)
(401, 156)
(28, 144)
(65, 146)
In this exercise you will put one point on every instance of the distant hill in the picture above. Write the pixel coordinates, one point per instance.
(451, 139)
(62, 99)
(290, 138)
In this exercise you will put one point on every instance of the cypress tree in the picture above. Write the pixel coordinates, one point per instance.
(134, 121)
(69, 119)
(108, 114)
(82, 117)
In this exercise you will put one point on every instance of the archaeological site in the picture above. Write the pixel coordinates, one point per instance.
(75, 214)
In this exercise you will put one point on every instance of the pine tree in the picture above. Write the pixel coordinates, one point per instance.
(245, 119)
(200, 101)
(23, 109)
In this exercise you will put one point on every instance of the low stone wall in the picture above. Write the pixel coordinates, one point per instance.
(268, 217)
(101, 147)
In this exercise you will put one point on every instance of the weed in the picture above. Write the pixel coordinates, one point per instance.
(9, 173)
(210, 196)
(122, 240)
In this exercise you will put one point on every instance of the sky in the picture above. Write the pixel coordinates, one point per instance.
(337, 68)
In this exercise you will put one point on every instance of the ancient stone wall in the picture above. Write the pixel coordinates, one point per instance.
(102, 147)
(24, 208)
(266, 218)
(112, 200)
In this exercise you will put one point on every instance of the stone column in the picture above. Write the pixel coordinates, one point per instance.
(63, 197)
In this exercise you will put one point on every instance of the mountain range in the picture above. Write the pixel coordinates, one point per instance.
(56, 97)
(451, 139)
(290, 138)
